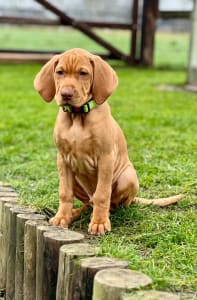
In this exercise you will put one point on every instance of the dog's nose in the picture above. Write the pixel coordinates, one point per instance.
(67, 93)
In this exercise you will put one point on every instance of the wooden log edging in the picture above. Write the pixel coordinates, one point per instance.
(43, 262)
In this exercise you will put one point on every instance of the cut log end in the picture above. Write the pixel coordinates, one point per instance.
(99, 263)
(8, 194)
(22, 210)
(6, 189)
(64, 235)
(111, 283)
(4, 184)
(82, 249)
(8, 199)
(122, 278)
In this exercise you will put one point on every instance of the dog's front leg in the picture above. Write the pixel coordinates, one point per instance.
(64, 214)
(100, 222)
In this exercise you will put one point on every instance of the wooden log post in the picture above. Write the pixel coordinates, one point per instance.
(11, 251)
(68, 283)
(30, 247)
(90, 266)
(19, 271)
(7, 207)
(3, 240)
(111, 283)
(52, 243)
(40, 257)
(150, 295)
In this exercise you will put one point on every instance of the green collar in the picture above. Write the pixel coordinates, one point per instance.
(87, 107)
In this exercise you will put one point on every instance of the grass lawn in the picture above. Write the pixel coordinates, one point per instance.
(160, 127)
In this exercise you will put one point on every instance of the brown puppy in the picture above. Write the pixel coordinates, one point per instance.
(92, 157)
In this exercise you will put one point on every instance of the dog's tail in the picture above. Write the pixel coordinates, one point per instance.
(160, 201)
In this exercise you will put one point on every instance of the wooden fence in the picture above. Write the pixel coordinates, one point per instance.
(43, 262)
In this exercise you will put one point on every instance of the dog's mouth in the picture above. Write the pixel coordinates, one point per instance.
(73, 103)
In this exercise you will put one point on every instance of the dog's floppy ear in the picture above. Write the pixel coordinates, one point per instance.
(44, 81)
(105, 79)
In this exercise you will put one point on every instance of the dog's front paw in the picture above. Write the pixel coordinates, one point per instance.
(60, 220)
(99, 228)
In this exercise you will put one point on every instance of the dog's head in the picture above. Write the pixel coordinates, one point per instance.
(75, 77)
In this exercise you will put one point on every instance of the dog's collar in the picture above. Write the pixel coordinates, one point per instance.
(87, 107)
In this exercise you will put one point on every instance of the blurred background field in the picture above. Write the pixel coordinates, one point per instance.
(171, 47)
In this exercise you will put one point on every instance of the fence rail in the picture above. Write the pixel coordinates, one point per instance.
(44, 262)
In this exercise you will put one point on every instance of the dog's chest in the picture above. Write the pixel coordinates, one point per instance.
(75, 144)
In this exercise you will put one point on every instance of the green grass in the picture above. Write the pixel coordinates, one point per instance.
(160, 127)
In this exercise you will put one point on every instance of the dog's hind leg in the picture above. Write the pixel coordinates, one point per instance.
(125, 188)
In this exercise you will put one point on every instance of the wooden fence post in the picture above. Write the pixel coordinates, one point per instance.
(192, 64)
(150, 295)
(30, 246)
(90, 266)
(52, 242)
(111, 283)
(69, 284)
(19, 273)
(11, 255)
(150, 13)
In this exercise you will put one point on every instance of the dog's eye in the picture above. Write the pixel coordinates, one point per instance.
(59, 72)
(83, 73)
